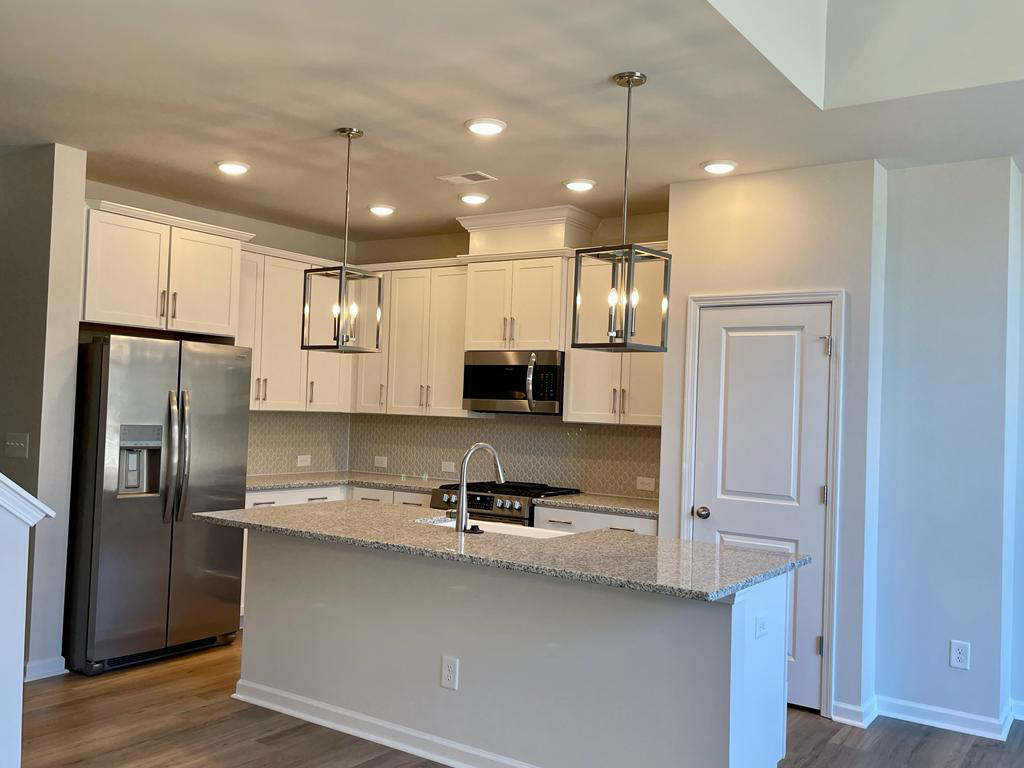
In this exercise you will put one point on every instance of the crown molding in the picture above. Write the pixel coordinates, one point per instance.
(172, 221)
(554, 214)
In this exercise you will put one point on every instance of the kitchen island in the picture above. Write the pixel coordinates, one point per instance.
(585, 650)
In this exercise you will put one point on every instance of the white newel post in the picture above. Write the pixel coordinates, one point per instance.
(19, 511)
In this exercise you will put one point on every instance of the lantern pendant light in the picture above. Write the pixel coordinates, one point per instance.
(622, 291)
(341, 306)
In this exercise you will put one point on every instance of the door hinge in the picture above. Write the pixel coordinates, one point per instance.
(828, 344)
(824, 494)
(820, 642)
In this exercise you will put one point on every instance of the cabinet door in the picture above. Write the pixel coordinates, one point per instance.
(126, 271)
(536, 317)
(447, 344)
(328, 374)
(407, 347)
(410, 499)
(371, 370)
(373, 494)
(640, 398)
(577, 521)
(488, 304)
(282, 359)
(204, 283)
(250, 316)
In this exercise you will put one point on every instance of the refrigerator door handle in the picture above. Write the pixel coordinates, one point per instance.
(172, 457)
(186, 454)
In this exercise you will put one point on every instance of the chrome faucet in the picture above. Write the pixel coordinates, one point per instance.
(462, 509)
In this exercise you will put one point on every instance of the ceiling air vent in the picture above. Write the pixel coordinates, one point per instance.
(471, 177)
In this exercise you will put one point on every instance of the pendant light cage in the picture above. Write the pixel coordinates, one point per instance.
(621, 292)
(342, 305)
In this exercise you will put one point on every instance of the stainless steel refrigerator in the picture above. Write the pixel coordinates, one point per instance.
(161, 432)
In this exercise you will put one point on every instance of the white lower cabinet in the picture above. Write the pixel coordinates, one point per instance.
(372, 494)
(577, 521)
(411, 499)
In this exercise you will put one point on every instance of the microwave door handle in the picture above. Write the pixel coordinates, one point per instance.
(171, 480)
(529, 380)
(186, 454)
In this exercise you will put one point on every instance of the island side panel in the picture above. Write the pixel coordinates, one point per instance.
(760, 624)
(552, 672)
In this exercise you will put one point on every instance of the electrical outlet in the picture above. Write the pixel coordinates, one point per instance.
(760, 626)
(645, 483)
(448, 466)
(304, 460)
(959, 654)
(380, 461)
(450, 672)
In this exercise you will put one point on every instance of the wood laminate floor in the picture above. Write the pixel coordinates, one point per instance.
(178, 714)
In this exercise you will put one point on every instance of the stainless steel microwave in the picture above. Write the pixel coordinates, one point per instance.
(513, 381)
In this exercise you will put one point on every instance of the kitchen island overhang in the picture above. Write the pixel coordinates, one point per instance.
(596, 649)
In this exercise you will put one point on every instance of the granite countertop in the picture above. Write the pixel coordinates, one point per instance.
(685, 569)
(627, 506)
(278, 482)
(590, 502)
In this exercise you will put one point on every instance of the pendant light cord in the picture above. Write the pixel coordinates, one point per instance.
(625, 173)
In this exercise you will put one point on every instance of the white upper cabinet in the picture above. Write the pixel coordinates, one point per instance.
(410, 332)
(250, 317)
(535, 314)
(148, 274)
(328, 374)
(126, 271)
(371, 369)
(515, 304)
(282, 359)
(592, 381)
(447, 342)
(204, 283)
(640, 395)
(488, 305)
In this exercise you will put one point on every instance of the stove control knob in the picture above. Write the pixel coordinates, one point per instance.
(454, 499)
(499, 503)
(516, 505)
(444, 497)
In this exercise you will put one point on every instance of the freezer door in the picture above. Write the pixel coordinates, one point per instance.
(206, 560)
(131, 533)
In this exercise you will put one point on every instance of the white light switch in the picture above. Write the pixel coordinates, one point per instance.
(16, 445)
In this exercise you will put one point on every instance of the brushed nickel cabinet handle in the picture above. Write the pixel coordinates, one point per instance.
(428, 395)
(317, 498)
(622, 402)
(512, 329)
(560, 522)
(367, 498)
(174, 305)
(412, 504)
(627, 530)
(163, 303)
(256, 394)
(421, 394)
(504, 329)
(381, 401)
(311, 391)
(264, 503)
(615, 399)
(264, 389)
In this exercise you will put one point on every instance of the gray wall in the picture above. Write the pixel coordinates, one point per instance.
(793, 230)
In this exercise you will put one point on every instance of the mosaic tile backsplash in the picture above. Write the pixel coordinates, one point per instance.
(539, 449)
(276, 439)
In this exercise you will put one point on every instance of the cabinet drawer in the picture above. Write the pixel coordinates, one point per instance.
(373, 494)
(579, 521)
(292, 496)
(410, 499)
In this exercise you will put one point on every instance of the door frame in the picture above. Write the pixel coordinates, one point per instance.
(837, 300)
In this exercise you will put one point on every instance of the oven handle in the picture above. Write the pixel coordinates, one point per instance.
(529, 380)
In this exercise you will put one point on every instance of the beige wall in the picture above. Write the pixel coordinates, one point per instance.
(793, 230)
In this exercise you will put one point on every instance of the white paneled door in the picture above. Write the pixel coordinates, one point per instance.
(760, 453)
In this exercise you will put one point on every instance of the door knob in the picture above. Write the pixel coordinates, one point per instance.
(702, 512)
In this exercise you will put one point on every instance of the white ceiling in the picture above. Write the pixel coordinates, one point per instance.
(158, 92)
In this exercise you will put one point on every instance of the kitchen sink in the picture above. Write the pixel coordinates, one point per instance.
(491, 527)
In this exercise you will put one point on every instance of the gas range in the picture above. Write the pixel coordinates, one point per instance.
(503, 502)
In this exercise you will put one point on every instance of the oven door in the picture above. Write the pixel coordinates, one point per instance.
(513, 381)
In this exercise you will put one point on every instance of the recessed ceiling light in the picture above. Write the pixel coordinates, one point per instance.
(486, 126)
(382, 210)
(474, 198)
(719, 167)
(233, 167)
(580, 185)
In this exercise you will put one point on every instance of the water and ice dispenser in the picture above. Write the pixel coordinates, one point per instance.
(139, 467)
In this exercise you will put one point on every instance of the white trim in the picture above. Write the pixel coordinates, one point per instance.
(554, 214)
(837, 298)
(1017, 709)
(850, 714)
(20, 503)
(565, 253)
(37, 669)
(373, 729)
(947, 719)
(266, 250)
(173, 221)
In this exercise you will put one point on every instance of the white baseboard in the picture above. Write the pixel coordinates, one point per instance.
(852, 714)
(389, 734)
(949, 719)
(37, 669)
(1017, 709)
